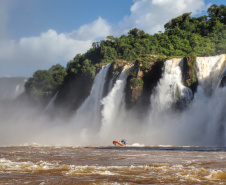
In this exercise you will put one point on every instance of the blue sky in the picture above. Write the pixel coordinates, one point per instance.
(36, 34)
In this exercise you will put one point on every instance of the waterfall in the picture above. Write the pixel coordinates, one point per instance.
(89, 112)
(100, 120)
(50, 105)
(17, 89)
(114, 105)
(11, 87)
(201, 123)
(170, 88)
(209, 70)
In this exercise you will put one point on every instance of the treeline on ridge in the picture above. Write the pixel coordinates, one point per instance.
(183, 36)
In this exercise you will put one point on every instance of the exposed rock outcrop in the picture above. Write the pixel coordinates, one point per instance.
(142, 79)
(189, 75)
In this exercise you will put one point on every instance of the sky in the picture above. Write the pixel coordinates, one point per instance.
(36, 34)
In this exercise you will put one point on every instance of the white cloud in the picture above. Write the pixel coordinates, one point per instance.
(41, 52)
(151, 15)
(97, 29)
(49, 48)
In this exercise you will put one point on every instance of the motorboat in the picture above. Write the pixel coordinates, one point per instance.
(121, 143)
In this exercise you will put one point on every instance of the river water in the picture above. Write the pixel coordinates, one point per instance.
(112, 165)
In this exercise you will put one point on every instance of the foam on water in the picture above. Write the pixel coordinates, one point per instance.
(219, 174)
(8, 165)
(180, 171)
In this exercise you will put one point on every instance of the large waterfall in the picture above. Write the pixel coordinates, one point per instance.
(202, 121)
(103, 117)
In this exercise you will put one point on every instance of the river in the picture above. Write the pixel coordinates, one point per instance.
(44, 165)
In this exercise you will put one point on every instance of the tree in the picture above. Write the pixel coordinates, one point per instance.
(58, 73)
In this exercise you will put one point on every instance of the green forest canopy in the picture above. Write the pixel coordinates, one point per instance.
(183, 36)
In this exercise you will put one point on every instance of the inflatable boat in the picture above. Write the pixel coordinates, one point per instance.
(120, 143)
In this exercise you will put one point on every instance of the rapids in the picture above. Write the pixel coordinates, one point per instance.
(112, 165)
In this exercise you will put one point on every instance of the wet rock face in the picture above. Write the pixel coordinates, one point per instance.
(189, 75)
(133, 92)
(74, 91)
(223, 79)
(138, 95)
(223, 82)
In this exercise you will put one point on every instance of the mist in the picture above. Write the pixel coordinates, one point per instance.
(100, 120)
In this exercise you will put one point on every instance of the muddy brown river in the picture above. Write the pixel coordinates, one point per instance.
(45, 165)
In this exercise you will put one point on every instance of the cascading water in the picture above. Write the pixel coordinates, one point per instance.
(209, 70)
(100, 120)
(89, 112)
(170, 88)
(50, 105)
(201, 123)
(113, 112)
(11, 87)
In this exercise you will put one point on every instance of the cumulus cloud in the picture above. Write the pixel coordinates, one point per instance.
(151, 15)
(97, 29)
(49, 48)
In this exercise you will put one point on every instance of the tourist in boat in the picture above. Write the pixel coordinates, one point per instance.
(123, 141)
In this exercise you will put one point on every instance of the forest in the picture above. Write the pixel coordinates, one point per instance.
(184, 36)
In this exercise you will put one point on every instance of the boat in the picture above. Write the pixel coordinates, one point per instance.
(121, 143)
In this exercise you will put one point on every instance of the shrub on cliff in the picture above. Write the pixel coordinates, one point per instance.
(135, 82)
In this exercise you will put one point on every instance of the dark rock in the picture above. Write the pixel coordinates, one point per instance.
(138, 97)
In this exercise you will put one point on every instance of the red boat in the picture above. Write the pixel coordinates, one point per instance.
(120, 143)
